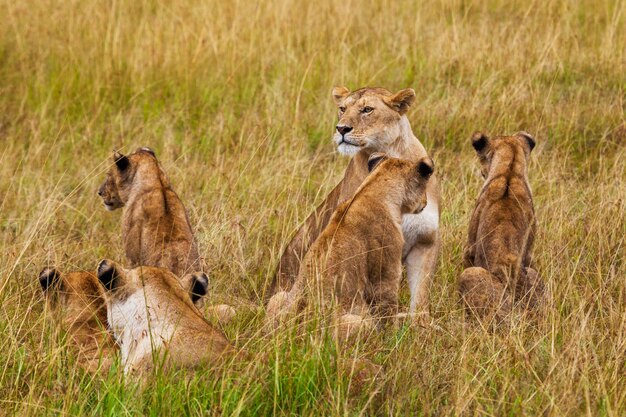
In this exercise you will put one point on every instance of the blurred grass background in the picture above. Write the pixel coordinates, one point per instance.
(235, 99)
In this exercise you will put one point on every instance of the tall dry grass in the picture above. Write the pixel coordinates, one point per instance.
(235, 99)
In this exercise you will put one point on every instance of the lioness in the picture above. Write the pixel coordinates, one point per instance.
(357, 260)
(154, 319)
(374, 120)
(155, 226)
(501, 231)
(76, 302)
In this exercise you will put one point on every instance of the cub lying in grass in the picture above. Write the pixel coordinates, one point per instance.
(356, 263)
(76, 302)
(154, 319)
(501, 231)
(155, 227)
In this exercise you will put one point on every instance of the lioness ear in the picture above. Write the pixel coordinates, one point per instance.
(121, 161)
(48, 278)
(530, 140)
(479, 141)
(374, 160)
(339, 94)
(425, 167)
(109, 274)
(402, 100)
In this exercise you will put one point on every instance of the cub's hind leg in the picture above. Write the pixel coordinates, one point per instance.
(483, 295)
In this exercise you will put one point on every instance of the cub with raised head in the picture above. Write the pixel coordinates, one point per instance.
(374, 120)
(153, 318)
(356, 263)
(155, 226)
(502, 230)
(76, 302)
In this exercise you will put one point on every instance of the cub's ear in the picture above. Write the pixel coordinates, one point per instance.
(402, 100)
(149, 150)
(374, 160)
(121, 161)
(479, 141)
(49, 278)
(339, 94)
(530, 140)
(110, 274)
(197, 284)
(425, 167)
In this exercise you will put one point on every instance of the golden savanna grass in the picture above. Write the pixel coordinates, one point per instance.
(235, 99)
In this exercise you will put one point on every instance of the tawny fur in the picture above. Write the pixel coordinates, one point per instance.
(501, 231)
(356, 263)
(155, 226)
(76, 302)
(385, 129)
(155, 321)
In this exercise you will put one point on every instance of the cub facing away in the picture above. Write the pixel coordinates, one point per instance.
(356, 263)
(155, 226)
(502, 231)
(76, 302)
(153, 318)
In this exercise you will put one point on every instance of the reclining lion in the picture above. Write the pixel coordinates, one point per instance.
(502, 230)
(154, 320)
(356, 263)
(76, 302)
(373, 120)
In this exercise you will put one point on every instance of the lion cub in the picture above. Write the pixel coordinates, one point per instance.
(501, 231)
(155, 227)
(153, 318)
(76, 302)
(356, 263)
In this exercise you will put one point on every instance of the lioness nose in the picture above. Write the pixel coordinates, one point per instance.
(343, 129)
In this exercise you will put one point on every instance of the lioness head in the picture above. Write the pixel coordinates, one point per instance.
(370, 118)
(501, 148)
(414, 176)
(74, 298)
(116, 187)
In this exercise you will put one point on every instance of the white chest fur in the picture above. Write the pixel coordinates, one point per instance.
(139, 328)
(420, 227)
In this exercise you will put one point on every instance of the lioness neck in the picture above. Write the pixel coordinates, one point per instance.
(406, 145)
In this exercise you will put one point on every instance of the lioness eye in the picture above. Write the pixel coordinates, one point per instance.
(342, 109)
(367, 109)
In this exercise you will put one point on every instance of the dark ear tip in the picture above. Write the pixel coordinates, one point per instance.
(48, 277)
(529, 138)
(103, 267)
(374, 160)
(479, 140)
(426, 167)
(121, 160)
(199, 286)
(106, 273)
